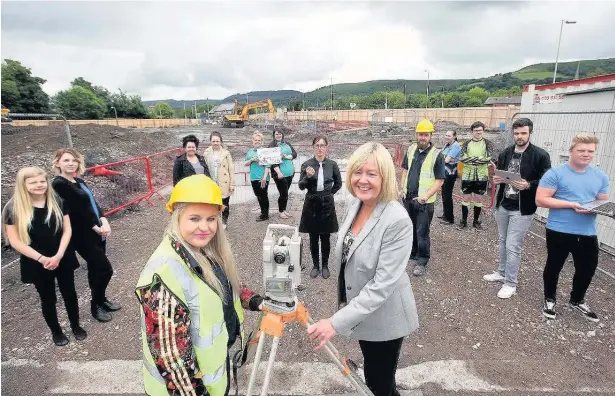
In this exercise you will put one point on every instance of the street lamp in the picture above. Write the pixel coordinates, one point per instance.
(427, 105)
(442, 86)
(117, 122)
(561, 28)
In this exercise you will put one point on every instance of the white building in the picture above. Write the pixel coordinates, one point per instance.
(560, 111)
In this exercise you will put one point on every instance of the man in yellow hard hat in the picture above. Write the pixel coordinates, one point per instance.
(422, 178)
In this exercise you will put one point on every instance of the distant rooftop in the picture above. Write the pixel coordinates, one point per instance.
(504, 100)
(223, 107)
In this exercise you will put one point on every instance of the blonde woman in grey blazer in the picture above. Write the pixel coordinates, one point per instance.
(372, 253)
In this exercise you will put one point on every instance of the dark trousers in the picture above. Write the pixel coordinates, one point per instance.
(325, 249)
(261, 196)
(421, 216)
(46, 288)
(283, 186)
(227, 209)
(380, 364)
(93, 249)
(447, 197)
(584, 250)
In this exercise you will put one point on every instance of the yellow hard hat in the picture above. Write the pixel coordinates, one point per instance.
(424, 126)
(196, 189)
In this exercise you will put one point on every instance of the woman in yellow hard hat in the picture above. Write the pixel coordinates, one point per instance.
(190, 297)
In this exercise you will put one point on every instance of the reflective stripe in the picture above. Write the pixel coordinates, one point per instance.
(210, 379)
(191, 293)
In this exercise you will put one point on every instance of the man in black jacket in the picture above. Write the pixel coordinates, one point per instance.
(516, 202)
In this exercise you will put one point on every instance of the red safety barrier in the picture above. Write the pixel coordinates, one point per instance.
(119, 185)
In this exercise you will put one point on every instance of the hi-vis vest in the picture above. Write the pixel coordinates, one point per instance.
(426, 176)
(207, 329)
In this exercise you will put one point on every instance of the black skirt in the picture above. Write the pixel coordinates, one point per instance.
(318, 216)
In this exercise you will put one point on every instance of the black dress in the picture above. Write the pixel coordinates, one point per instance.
(318, 216)
(46, 240)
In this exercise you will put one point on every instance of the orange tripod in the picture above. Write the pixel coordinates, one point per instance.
(273, 324)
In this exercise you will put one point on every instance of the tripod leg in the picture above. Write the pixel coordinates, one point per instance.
(257, 360)
(274, 350)
(342, 364)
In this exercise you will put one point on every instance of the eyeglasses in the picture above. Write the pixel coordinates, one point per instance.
(319, 146)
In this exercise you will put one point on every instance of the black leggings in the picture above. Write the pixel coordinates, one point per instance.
(261, 196)
(92, 248)
(380, 364)
(227, 209)
(325, 242)
(46, 288)
(283, 186)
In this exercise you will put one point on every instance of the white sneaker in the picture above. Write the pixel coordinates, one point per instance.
(495, 277)
(507, 291)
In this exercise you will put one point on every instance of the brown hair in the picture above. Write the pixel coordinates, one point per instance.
(320, 137)
(76, 154)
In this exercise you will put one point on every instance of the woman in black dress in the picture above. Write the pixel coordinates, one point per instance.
(322, 179)
(91, 228)
(38, 227)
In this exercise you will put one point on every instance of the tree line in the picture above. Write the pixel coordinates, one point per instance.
(22, 93)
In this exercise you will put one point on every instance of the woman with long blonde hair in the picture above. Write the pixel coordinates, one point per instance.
(190, 297)
(38, 227)
(91, 227)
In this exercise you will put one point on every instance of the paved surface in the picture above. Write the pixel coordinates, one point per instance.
(469, 343)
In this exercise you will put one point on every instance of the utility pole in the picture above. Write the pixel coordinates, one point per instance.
(427, 105)
(185, 115)
(561, 28)
(117, 122)
(405, 96)
(443, 96)
(304, 101)
(195, 114)
(247, 98)
(386, 98)
(331, 96)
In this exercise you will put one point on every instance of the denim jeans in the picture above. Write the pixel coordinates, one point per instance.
(512, 227)
(421, 216)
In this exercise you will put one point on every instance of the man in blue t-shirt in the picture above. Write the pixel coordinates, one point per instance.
(570, 228)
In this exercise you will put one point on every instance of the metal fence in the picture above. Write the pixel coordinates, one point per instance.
(553, 131)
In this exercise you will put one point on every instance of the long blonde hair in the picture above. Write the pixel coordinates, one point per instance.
(76, 154)
(218, 250)
(384, 162)
(22, 207)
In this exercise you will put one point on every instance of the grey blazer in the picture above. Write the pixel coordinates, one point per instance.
(381, 304)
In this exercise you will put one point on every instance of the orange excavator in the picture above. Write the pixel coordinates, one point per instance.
(238, 118)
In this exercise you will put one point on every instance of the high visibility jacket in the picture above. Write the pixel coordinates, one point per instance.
(426, 176)
(183, 330)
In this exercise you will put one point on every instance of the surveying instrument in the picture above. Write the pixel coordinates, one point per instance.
(282, 276)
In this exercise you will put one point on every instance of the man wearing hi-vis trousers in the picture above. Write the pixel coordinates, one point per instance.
(422, 178)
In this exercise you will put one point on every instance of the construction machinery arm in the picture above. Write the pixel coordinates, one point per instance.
(257, 105)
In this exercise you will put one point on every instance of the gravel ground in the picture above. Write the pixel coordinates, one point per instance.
(507, 342)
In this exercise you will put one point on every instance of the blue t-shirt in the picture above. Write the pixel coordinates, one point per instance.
(257, 171)
(573, 186)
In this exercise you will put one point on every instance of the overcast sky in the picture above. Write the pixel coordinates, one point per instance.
(193, 50)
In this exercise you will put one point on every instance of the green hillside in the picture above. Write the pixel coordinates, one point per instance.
(457, 93)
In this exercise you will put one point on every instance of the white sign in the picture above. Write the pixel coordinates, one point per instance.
(548, 99)
(353, 105)
(269, 156)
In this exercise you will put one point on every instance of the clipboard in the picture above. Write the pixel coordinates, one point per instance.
(508, 176)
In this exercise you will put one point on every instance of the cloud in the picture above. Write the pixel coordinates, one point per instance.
(189, 50)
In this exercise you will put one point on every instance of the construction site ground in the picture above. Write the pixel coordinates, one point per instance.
(469, 341)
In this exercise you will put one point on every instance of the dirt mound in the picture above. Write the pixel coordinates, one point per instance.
(100, 144)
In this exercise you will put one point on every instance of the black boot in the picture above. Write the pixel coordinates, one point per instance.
(325, 271)
(79, 333)
(315, 271)
(59, 338)
(111, 307)
(100, 314)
